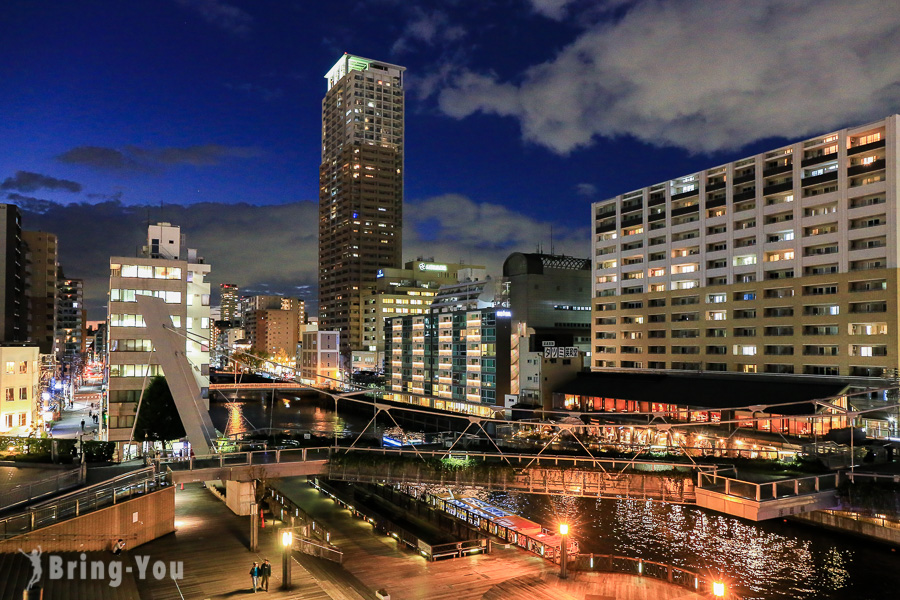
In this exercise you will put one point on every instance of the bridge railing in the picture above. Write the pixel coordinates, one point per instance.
(769, 490)
(89, 499)
(318, 453)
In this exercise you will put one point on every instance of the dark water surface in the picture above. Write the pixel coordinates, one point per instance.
(771, 560)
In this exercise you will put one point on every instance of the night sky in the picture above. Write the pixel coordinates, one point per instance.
(520, 113)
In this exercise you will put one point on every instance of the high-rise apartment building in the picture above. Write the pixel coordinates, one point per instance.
(13, 299)
(783, 262)
(166, 269)
(42, 289)
(70, 322)
(229, 302)
(360, 189)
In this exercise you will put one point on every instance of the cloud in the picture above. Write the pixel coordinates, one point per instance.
(428, 28)
(223, 15)
(30, 203)
(702, 76)
(26, 181)
(134, 158)
(588, 190)
(442, 227)
(554, 9)
(275, 247)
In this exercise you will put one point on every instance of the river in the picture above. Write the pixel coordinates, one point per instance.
(773, 560)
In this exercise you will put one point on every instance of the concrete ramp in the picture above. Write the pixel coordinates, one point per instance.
(170, 351)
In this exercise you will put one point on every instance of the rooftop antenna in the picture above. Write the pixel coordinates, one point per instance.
(552, 251)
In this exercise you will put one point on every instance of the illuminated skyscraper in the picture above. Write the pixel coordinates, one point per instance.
(360, 189)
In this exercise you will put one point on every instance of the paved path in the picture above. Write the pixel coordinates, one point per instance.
(212, 542)
(379, 562)
(69, 424)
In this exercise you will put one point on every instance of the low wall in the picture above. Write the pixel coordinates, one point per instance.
(137, 521)
(836, 522)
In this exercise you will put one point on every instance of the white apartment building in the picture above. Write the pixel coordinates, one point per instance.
(783, 262)
(19, 388)
(166, 269)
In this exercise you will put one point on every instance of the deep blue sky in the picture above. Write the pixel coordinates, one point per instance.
(522, 111)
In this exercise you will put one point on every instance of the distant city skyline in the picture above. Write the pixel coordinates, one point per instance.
(520, 113)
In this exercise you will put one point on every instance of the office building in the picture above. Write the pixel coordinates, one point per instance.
(360, 189)
(273, 323)
(13, 298)
(166, 268)
(549, 297)
(784, 262)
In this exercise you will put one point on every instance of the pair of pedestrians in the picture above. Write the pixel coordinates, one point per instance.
(259, 574)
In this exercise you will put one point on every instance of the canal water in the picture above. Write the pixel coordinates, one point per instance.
(770, 560)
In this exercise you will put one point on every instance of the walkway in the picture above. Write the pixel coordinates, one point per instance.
(69, 424)
(212, 542)
(381, 562)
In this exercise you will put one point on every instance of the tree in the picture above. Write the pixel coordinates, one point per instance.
(158, 417)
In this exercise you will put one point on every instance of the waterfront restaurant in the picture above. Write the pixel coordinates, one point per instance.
(778, 405)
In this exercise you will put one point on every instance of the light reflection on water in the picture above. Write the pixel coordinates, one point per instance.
(770, 560)
(245, 414)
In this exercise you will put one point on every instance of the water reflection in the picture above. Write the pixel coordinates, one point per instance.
(770, 560)
(243, 414)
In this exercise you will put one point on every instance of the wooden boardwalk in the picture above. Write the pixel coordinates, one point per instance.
(381, 562)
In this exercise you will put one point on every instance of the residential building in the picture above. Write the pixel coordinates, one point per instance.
(43, 298)
(13, 298)
(19, 388)
(784, 262)
(228, 300)
(406, 291)
(272, 323)
(70, 319)
(360, 189)
(320, 358)
(456, 360)
(166, 268)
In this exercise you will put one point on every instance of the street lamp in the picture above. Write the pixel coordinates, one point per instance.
(287, 541)
(718, 589)
(563, 550)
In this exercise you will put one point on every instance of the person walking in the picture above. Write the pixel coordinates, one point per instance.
(82, 424)
(254, 575)
(265, 573)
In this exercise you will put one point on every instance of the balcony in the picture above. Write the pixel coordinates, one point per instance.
(777, 170)
(815, 160)
(860, 169)
(746, 195)
(715, 203)
(685, 210)
(693, 192)
(865, 147)
(823, 178)
(778, 187)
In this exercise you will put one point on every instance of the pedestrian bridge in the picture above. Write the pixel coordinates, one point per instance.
(707, 486)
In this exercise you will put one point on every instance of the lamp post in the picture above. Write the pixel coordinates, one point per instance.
(718, 589)
(287, 542)
(563, 550)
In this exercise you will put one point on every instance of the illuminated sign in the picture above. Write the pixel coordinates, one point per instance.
(380, 273)
(432, 267)
(561, 352)
(504, 313)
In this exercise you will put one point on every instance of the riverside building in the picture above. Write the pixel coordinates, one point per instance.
(784, 262)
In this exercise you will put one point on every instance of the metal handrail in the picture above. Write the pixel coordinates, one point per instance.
(83, 501)
(253, 457)
(26, 492)
(819, 483)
